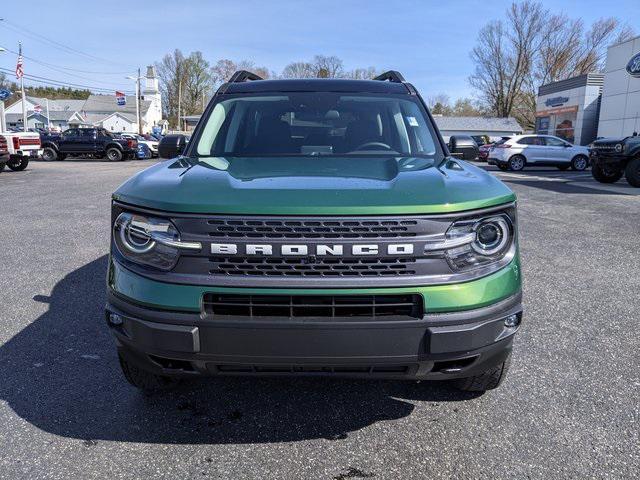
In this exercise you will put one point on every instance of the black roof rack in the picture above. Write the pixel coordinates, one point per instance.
(392, 76)
(243, 76)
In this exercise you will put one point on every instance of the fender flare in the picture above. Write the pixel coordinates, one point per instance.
(50, 145)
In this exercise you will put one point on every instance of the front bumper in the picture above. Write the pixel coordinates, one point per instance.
(608, 158)
(440, 345)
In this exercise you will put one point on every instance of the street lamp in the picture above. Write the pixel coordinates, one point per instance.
(137, 80)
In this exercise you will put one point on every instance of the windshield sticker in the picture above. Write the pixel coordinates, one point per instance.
(412, 121)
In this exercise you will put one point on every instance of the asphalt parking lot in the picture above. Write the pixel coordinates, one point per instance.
(570, 407)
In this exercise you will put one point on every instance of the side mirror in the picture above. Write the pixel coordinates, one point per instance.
(463, 147)
(172, 146)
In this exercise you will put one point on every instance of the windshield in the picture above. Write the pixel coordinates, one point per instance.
(318, 123)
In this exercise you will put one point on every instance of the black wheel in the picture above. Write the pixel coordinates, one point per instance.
(114, 154)
(579, 163)
(563, 167)
(49, 154)
(517, 162)
(606, 174)
(144, 380)
(632, 172)
(487, 380)
(18, 165)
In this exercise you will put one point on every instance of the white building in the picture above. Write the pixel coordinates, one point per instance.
(569, 108)
(494, 127)
(97, 110)
(620, 108)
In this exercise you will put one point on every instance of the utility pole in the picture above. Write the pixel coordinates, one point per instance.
(48, 119)
(179, 100)
(24, 102)
(138, 116)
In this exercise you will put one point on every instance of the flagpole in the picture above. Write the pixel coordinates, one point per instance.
(48, 120)
(24, 102)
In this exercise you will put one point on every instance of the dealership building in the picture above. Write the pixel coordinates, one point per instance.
(582, 108)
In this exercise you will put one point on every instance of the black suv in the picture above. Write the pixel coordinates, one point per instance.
(611, 158)
(87, 142)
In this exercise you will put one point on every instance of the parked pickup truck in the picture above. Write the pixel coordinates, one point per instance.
(87, 142)
(20, 147)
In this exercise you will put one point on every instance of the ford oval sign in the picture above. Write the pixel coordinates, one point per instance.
(633, 67)
(4, 94)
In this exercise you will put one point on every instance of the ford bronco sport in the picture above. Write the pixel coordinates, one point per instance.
(314, 227)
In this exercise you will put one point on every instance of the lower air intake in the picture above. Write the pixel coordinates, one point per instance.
(313, 306)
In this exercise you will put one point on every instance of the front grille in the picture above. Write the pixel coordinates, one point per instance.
(313, 306)
(317, 267)
(255, 228)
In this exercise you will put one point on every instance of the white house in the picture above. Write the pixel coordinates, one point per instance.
(97, 110)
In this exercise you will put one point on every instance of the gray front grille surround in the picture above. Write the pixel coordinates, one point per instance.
(346, 271)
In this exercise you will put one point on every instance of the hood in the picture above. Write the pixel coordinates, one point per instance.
(313, 186)
(609, 140)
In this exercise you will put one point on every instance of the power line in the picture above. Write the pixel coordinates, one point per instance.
(58, 69)
(58, 83)
(60, 46)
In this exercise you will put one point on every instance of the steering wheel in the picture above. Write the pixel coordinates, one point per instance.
(365, 146)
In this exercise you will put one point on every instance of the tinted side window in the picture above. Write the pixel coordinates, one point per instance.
(72, 132)
(554, 142)
(526, 141)
(87, 132)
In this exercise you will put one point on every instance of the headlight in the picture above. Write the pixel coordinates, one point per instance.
(150, 241)
(477, 242)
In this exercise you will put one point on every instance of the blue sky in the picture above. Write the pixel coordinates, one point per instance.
(428, 41)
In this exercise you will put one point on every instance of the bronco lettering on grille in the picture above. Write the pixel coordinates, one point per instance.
(304, 250)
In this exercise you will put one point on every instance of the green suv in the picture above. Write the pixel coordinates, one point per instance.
(314, 227)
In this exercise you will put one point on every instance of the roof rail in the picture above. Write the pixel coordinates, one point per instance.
(243, 76)
(392, 76)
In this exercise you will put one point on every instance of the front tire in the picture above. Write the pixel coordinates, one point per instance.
(146, 381)
(516, 163)
(579, 163)
(632, 172)
(606, 175)
(49, 154)
(487, 380)
(114, 155)
(18, 166)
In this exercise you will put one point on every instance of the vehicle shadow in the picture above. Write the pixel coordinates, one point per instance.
(61, 374)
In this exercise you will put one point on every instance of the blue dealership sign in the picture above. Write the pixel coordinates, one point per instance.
(633, 67)
(4, 94)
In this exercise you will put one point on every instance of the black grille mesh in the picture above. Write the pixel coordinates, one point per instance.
(318, 267)
(237, 228)
(297, 306)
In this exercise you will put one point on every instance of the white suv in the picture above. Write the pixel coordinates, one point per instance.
(520, 150)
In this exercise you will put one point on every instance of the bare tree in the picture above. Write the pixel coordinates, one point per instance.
(361, 73)
(171, 72)
(299, 70)
(223, 69)
(504, 56)
(533, 47)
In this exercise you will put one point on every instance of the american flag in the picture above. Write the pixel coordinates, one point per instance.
(19, 67)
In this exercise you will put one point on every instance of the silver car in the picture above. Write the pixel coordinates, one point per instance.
(523, 150)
